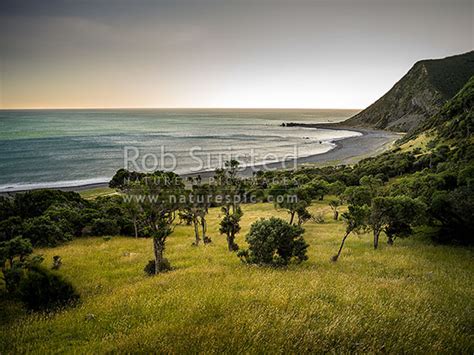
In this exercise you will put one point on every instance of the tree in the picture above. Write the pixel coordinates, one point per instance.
(337, 188)
(454, 213)
(317, 188)
(42, 231)
(67, 217)
(230, 226)
(372, 183)
(195, 210)
(133, 211)
(356, 219)
(13, 255)
(17, 247)
(105, 226)
(35, 203)
(274, 242)
(293, 199)
(10, 227)
(158, 203)
(303, 216)
(395, 216)
(357, 195)
(335, 204)
(230, 190)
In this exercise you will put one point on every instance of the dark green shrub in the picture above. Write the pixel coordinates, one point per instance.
(41, 289)
(13, 276)
(103, 226)
(455, 212)
(274, 242)
(42, 231)
(35, 203)
(150, 267)
(10, 227)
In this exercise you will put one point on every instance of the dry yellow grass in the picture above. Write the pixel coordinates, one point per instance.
(412, 297)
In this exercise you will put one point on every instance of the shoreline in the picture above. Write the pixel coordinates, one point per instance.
(346, 151)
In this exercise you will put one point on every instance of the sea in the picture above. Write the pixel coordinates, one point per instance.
(66, 148)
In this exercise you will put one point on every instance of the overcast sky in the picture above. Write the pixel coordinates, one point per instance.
(219, 53)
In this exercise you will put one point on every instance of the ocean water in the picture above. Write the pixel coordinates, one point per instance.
(53, 148)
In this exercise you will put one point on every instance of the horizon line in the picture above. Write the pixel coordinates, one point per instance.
(177, 108)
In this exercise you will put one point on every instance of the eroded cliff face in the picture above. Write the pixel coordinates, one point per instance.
(419, 95)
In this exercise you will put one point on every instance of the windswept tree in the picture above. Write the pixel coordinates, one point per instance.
(13, 254)
(454, 213)
(205, 197)
(158, 201)
(229, 191)
(395, 216)
(335, 204)
(372, 183)
(133, 210)
(336, 188)
(292, 198)
(356, 219)
(195, 210)
(317, 188)
(357, 195)
(230, 226)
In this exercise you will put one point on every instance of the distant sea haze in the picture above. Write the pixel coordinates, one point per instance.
(57, 148)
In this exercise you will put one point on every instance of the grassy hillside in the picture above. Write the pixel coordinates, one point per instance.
(412, 297)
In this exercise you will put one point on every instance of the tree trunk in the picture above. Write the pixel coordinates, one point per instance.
(205, 239)
(158, 249)
(376, 238)
(204, 228)
(292, 214)
(336, 215)
(196, 231)
(335, 257)
(390, 239)
(135, 227)
(230, 241)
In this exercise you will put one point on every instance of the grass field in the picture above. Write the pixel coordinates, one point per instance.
(412, 297)
(91, 194)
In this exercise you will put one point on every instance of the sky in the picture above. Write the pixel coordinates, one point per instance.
(219, 53)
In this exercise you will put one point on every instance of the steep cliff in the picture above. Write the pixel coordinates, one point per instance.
(420, 94)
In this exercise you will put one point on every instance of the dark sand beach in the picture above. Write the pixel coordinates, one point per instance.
(347, 151)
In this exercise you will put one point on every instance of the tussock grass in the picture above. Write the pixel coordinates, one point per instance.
(412, 297)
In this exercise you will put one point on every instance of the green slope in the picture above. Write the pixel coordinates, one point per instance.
(419, 95)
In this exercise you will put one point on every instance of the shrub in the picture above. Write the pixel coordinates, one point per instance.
(12, 277)
(274, 242)
(41, 289)
(103, 226)
(150, 267)
(42, 231)
(455, 212)
(10, 227)
(35, 203)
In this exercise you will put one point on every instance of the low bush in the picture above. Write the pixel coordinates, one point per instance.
(103, 226)
(41, 289)
(42, 231)
(274, 242)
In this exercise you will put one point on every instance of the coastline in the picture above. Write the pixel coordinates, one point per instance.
(346, 151)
